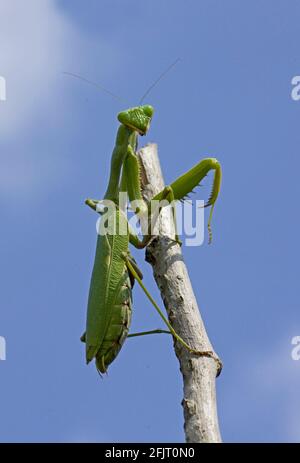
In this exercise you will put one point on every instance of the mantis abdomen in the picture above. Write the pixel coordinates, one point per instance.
(110, 297)
(119, 324)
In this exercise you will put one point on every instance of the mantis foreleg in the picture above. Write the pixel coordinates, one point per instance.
(186, 183)
(177, 190)
(167, 198)
(119, 153)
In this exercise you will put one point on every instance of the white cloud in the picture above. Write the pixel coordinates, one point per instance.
(34, 39)
(38, 43)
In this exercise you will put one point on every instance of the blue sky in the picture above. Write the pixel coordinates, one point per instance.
(229, 97)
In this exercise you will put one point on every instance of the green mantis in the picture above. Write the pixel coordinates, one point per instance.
(115, 270)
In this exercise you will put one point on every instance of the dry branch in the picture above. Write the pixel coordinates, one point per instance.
(171, 275)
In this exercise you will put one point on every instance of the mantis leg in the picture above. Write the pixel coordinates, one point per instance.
(135, 266)
(133, 238)
(173, 332)
(134, 335)
(177, 190)
(92, 203)
(186, 183)
(131, 182)
(144, 333)
(167, 197)
(136, 242)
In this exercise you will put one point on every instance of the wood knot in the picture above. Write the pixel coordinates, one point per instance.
(189, 406)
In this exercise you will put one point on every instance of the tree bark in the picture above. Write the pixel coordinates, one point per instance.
(171, 275)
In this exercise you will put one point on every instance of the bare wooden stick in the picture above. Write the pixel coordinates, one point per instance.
(171, 275)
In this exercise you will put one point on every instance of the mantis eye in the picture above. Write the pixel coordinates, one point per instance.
(148, 111)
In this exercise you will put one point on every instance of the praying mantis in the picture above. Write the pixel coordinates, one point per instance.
(115, 270)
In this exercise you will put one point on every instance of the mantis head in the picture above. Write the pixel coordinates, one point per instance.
(138, 118)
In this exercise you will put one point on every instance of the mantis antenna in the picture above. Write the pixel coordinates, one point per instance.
(100, 87)
(94, 84)
(158, 79)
